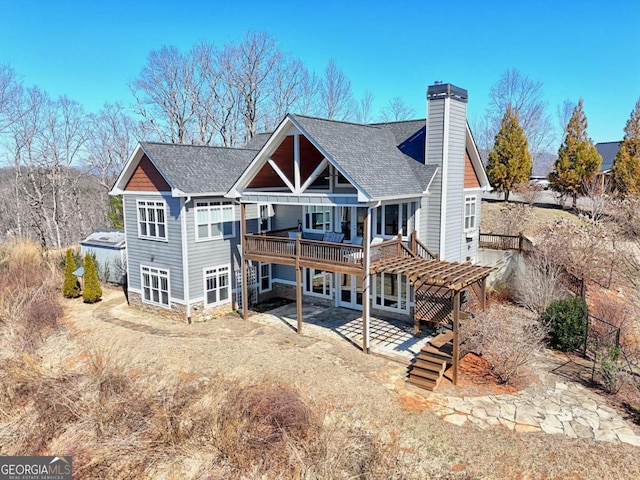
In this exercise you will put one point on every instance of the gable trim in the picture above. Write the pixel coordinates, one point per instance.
(119, 187)
(476, 161)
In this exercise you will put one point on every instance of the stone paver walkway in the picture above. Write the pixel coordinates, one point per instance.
(552, 406)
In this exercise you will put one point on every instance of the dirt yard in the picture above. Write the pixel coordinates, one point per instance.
(365, 389)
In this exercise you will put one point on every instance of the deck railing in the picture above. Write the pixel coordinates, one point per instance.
(496, 241)
(313, 251)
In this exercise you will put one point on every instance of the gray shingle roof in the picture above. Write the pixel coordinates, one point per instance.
(608, 151)
(197, 169)
(369, 154)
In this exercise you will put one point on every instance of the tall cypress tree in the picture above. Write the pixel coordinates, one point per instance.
(626, 165)
(71, 287)
(92, 292)
(578, 160)
(509, 161)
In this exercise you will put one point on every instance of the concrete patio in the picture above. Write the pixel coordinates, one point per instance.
(389, 336)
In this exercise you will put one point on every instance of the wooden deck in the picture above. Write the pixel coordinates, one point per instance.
(327, 256)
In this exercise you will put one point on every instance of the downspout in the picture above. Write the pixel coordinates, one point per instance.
(185, 256)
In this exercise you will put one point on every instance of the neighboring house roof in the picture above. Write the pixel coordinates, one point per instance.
(105, 237)
(195, 169)
(258, 141)
(369, 155)
(608, 152)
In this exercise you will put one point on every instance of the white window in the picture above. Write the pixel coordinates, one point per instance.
(392, 219)
(214, 220)
(317, 282)
(470, 213)
(391, 292)
(152, 222)
(264, 217)
(155, 286)
(264, 270)
(217, 285)
(318, 218)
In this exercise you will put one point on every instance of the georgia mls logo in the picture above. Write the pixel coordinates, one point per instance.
(35, 468)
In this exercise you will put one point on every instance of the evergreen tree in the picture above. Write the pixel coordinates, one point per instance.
(114, 215)
(509, 161)
(91, 293)
(70, 288)
(626, 165)
(578, 160)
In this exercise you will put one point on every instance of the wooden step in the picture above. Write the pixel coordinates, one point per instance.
(423, 383)
(435, 365)
(427, 351)
(442, 339)
(425, 374)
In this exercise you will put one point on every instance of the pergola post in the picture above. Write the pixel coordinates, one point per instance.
(483, 294)
(298, 285)
(366, 284)
(243, 261)
(456, 334)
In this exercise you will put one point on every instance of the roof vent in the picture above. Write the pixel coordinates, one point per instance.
(438, 82)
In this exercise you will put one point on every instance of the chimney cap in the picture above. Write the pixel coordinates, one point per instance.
(447, 90)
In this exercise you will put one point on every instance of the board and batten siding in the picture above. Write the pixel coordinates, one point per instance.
(155, 253)
(216, 252)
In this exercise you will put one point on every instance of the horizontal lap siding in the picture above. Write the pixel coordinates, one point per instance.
(213, 253)
(166, 255)
(431, 209)
(455, 237)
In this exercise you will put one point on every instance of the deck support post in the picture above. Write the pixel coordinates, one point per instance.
(366, 284)
(243, 261)
(456, 335)
(298, 285)
(483, 294)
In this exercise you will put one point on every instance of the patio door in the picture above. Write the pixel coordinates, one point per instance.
(351, 222)
(350, 291)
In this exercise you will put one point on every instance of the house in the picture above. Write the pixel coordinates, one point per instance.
(608, 152)
(108, 246)
(380, 217)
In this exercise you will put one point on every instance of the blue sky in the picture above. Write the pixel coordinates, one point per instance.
(90, 50)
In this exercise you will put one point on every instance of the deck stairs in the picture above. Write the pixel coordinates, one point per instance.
(429, 366)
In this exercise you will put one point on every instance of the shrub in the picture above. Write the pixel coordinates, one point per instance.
(610, 369)
(539, 285)
(91, 293)
(71, 287)
(566, 320)
(506, 338)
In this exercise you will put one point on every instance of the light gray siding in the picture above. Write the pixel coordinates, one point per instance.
(286, 216)
(216, 252)
(431, 211)
(155, 253)
(454, 217)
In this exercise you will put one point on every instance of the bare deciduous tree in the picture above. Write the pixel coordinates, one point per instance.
(364, 108)
(10, 91)
(336, 99)
(526, 97)
(165, 92)
(396, 110)
(539, 284)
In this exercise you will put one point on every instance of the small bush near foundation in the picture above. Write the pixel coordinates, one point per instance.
(566, 321)
(507, 338)
(91, 293)
(71, 287)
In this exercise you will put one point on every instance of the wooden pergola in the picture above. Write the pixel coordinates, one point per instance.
(453, 276)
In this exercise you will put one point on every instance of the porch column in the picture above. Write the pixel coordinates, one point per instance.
(244, 261)
(298, 285)
(366, 284)
(456, 335)
(483, 294)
